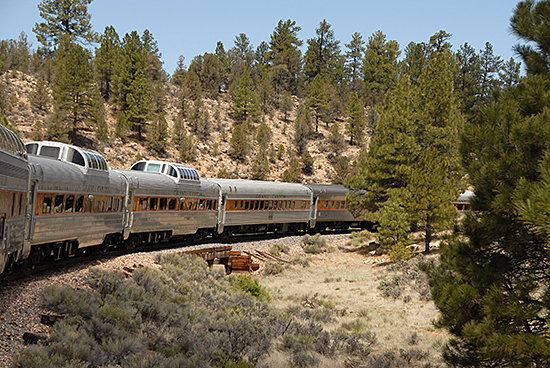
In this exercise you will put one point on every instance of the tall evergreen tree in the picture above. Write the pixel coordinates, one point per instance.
(356, 119)
(132, 87)
(428, 195)
(64, 18)
(416, 57)
(77, 101)
(379, 70)
(285, 54)
(106, 58)
(245, 100)
(354, 59)
(323, 55)
(317, 99)
(530, 23)
(492, 288)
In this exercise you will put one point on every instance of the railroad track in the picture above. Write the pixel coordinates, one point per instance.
(24, 272)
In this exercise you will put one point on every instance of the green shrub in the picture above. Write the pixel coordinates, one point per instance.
(277, 249)
(250, 285)
(272, 268)
(296, 260)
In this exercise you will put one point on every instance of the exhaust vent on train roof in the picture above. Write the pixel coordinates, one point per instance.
(65, 152)
(172, 169)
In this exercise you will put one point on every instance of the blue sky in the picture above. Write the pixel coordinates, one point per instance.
(193, 27)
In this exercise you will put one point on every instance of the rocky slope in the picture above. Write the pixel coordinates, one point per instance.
(213, 155)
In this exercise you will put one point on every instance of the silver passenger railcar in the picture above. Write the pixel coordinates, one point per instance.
(14, 178)
(169, 200)
(77, 201)
(250, 206)
(332, 209)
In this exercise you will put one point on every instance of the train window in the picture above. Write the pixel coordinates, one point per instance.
(79, 204)
(153, 204)
(58, 204)
(47, 204)
(49, 151)
(466, 207)
(172, 172)
(109, 203)
(215, 204)
(143, 204)
(140, 166)
(69, 203)
(20, 204)
(172, 204)
(116, 204)
(246, 204)
(293, 205)
(75, 157)
(32, 148)
(262, 205)
(460, 206)
(231, 205)
(202, 204)
(163, 203)
(153, 167)
(256, 205)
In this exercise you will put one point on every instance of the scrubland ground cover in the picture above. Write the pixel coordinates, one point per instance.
(337, 309)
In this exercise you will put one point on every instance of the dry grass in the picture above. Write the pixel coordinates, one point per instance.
(347, 282)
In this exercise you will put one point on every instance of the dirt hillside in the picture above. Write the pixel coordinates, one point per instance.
(213, 155)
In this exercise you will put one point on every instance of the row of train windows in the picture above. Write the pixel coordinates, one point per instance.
(268, 205)
(12, 204)
(333, 205)
(61, 203)
(163, 204)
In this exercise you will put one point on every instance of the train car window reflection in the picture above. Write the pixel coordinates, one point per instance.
(163, 203)
(79, 204)
(58, 205)
(47, 204)
(172, 172)
(49, 151)
(75, 157)
(153, 204)
(172, 204)
(153, 167)
(32, 148)
(140, 166)
(109, 203)
(69, 203)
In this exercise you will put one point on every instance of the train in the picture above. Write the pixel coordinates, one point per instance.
(60, 201)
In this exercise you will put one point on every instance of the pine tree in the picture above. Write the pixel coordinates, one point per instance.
(392, 151)
(393, 230)
(317, 100)
(356, 119)
(302, 130)
(429, 194)
(245, 100)
(493, 285)
(106, 58)
(64, 18)
(293, 173)
(336, 139)
(379, 69)
(285, 56)
(323, 56)
(157, 133)
(239, 142)
(187, 148)
(354, 60)
(75, 94)
(40, 97)
(132, 88)
(307, 163)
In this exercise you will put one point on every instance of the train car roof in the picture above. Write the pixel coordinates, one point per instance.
(83, 157)
(328, 189)
(465, 197)
(172, 169)
(258, 187)
(57, 172)
(154, 181)
(10, 142)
